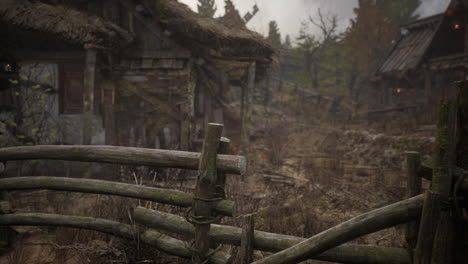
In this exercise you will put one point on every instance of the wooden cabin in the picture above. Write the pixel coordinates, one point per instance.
(431, 54)
(125, 72)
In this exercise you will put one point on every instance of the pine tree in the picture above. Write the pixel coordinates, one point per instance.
(207, 8)
(274, 34)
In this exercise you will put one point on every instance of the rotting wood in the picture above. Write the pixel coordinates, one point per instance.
(413, 162)
(123, 155)
(367, 223)
(160, 241)
(352, 254)
(247, 239)
(159, 195)
(205, 192)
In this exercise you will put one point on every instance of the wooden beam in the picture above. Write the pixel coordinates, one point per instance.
(205, 192)
(367, 223)
(158, 195)
(347, 253)
(123, 155)
(153, 238)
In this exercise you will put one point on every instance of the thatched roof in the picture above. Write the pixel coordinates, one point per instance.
(194, 29)
(68, 24)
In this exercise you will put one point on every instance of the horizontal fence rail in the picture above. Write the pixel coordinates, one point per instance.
(375, 220)
(159, 195)
(151, 237)
(123, 155)
(352, 254)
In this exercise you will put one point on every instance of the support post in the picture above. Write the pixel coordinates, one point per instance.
(246, 103)
(205, 192)
(188, 113)
(413, 162)
(247, 239)
(109, 112)
(88, 95)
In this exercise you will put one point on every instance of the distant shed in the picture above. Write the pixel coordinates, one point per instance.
(431, 54)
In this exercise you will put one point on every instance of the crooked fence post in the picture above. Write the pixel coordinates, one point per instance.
(432, 241)
(202, 215)
(413, 162)
(247, 239)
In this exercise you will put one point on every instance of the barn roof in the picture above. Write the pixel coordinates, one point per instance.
(71, 25)
(410, 49)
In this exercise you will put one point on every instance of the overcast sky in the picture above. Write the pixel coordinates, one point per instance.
(290, 13)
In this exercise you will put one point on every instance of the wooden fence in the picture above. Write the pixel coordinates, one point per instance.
(428, 239)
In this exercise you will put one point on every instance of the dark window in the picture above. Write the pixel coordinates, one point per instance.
(71, 89)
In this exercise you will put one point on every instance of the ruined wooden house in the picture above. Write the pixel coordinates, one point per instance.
(130, 72)
(431, 54)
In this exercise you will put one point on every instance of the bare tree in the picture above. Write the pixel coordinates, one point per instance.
(313, 46)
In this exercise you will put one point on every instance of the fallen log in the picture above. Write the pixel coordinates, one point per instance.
(159, 195)
(352, 254)
(162, 242)
(123, 155)
(385, 217)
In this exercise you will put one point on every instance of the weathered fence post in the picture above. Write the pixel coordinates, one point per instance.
(6, 233)
(432, 241)
(247, 238)
(224, 148)
(413, 162)
(205, 192)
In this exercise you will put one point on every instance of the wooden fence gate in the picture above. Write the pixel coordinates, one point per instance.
(433, 239)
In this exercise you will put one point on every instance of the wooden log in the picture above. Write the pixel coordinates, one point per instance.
(247, 239)
(372, 221)
(162, 242)
(413, 162)
(352, 254)
(205, 192)
(123, 155)
(159, 195)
